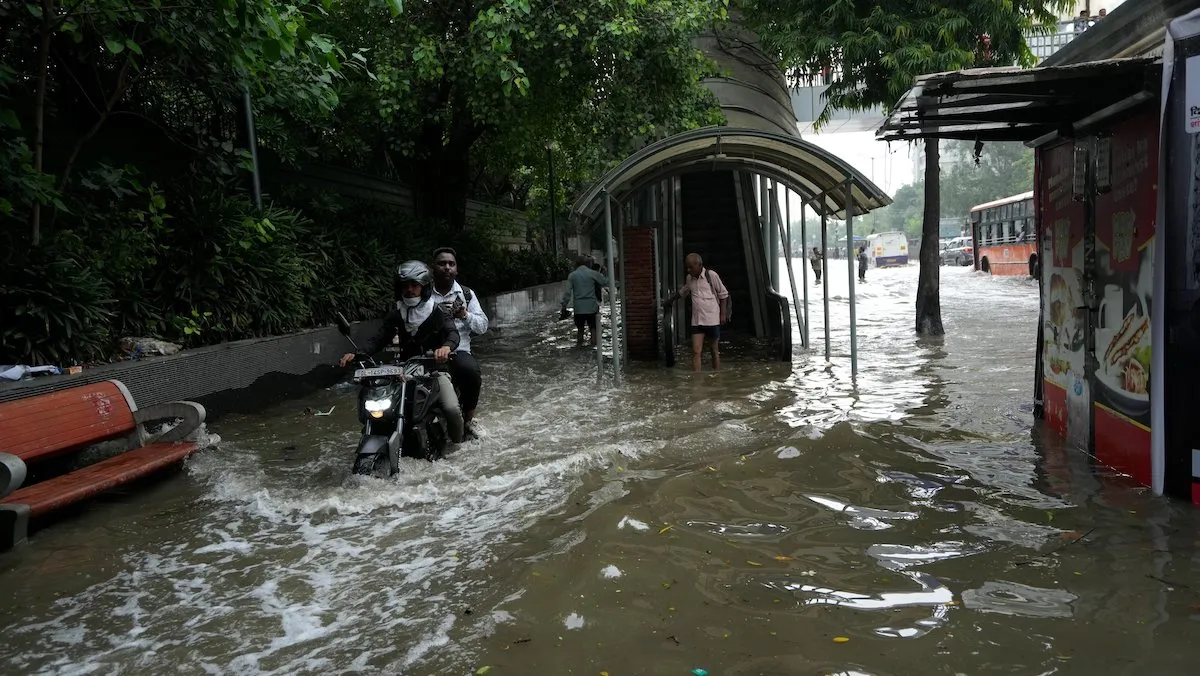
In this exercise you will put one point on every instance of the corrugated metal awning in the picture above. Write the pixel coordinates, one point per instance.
(807, 169)
(1016, 104)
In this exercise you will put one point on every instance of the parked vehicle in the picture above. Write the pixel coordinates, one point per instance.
(407, 409)
(959, 252)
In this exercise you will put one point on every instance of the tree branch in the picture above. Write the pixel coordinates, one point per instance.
(119, 89)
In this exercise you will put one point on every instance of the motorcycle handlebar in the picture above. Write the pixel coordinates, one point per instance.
(428, 356)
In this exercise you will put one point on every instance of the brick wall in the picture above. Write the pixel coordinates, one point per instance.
(641, 312)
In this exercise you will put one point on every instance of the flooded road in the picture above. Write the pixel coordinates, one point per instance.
(765, 520)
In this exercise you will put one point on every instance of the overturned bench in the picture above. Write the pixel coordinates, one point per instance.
(57, 426)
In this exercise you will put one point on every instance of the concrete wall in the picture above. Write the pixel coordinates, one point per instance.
(245, 375)
(507, 308)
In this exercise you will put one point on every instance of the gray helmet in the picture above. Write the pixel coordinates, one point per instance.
(414, 271)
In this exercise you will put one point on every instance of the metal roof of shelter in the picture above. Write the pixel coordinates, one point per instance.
(809, 170)
(1017, 104)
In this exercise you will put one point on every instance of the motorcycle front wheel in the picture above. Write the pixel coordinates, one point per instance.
(379, 466)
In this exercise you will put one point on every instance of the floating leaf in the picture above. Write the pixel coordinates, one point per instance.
(664, 530)
(783, 558)
(840, 639)
(754, 563)
(482, 670)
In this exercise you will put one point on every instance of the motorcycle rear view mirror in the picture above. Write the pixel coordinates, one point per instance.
(343, 324)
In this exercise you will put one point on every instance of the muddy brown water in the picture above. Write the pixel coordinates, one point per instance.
(765, 520)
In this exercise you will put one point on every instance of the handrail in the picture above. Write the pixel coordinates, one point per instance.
(669, 336)
(785, 324)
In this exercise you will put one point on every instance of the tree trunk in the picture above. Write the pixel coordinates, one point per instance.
(442, 180)
(929, 302)
(39, 112)
(440, 188)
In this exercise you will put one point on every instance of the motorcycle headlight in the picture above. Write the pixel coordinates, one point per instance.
(373, 405)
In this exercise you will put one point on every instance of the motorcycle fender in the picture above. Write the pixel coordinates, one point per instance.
(394, 443)
(373, 445)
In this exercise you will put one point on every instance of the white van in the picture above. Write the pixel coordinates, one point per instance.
(887, 249)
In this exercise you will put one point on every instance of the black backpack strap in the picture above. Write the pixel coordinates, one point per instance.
(466, 293)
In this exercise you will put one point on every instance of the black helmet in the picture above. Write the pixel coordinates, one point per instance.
(414, 271)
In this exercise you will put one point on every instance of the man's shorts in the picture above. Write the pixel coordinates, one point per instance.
(591, 320)
(710, 332)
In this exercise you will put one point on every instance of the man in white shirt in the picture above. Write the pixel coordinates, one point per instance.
(461, 303)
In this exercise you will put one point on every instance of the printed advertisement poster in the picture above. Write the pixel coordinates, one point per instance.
(1067, 399)
(1192, 250)
(1125, 228)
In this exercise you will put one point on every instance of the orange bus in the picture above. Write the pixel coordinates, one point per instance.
(1005, 236)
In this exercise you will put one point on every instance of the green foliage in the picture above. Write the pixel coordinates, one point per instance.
(473, 93)
(54, 306)
(874, 51)
(223, 272)
(123, 161)
(1004, 169)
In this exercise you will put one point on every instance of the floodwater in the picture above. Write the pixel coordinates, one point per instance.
(764, 520)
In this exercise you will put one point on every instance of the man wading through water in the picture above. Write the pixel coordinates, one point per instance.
(710, 308)
(583, 291)
(463, 306)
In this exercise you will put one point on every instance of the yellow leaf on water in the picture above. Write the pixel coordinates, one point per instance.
(754, 563)
(482, 670)
(783, 558)
(840, 639)
(664, 530)
(603, 673)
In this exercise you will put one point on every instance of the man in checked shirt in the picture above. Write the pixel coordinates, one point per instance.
(710, 308)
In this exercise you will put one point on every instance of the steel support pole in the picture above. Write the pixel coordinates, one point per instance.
(824, 274)
(252, 144)
(773, 211)
(764, 223)
(791, 273)
(804, 266)
(612, 291)
(849, 246)
(553, 202)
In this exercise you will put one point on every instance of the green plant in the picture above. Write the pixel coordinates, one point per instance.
(54, 307)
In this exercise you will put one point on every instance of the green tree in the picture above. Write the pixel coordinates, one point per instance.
(70, 67)
(872, 53)
(1003, 170)
(470, 92)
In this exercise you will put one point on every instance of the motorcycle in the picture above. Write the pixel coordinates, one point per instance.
(408, 409)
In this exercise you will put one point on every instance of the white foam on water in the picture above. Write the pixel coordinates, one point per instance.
(298, 568)
(574, 621)
(610, 572)
(632, 523)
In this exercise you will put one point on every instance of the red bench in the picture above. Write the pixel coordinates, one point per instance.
(60, 424)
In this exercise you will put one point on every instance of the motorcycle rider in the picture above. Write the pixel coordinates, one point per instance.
(460, 303)
(414, 325)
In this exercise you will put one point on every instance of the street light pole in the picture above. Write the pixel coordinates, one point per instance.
(553, 202)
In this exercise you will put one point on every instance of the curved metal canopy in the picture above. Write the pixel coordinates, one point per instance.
(809, 170)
